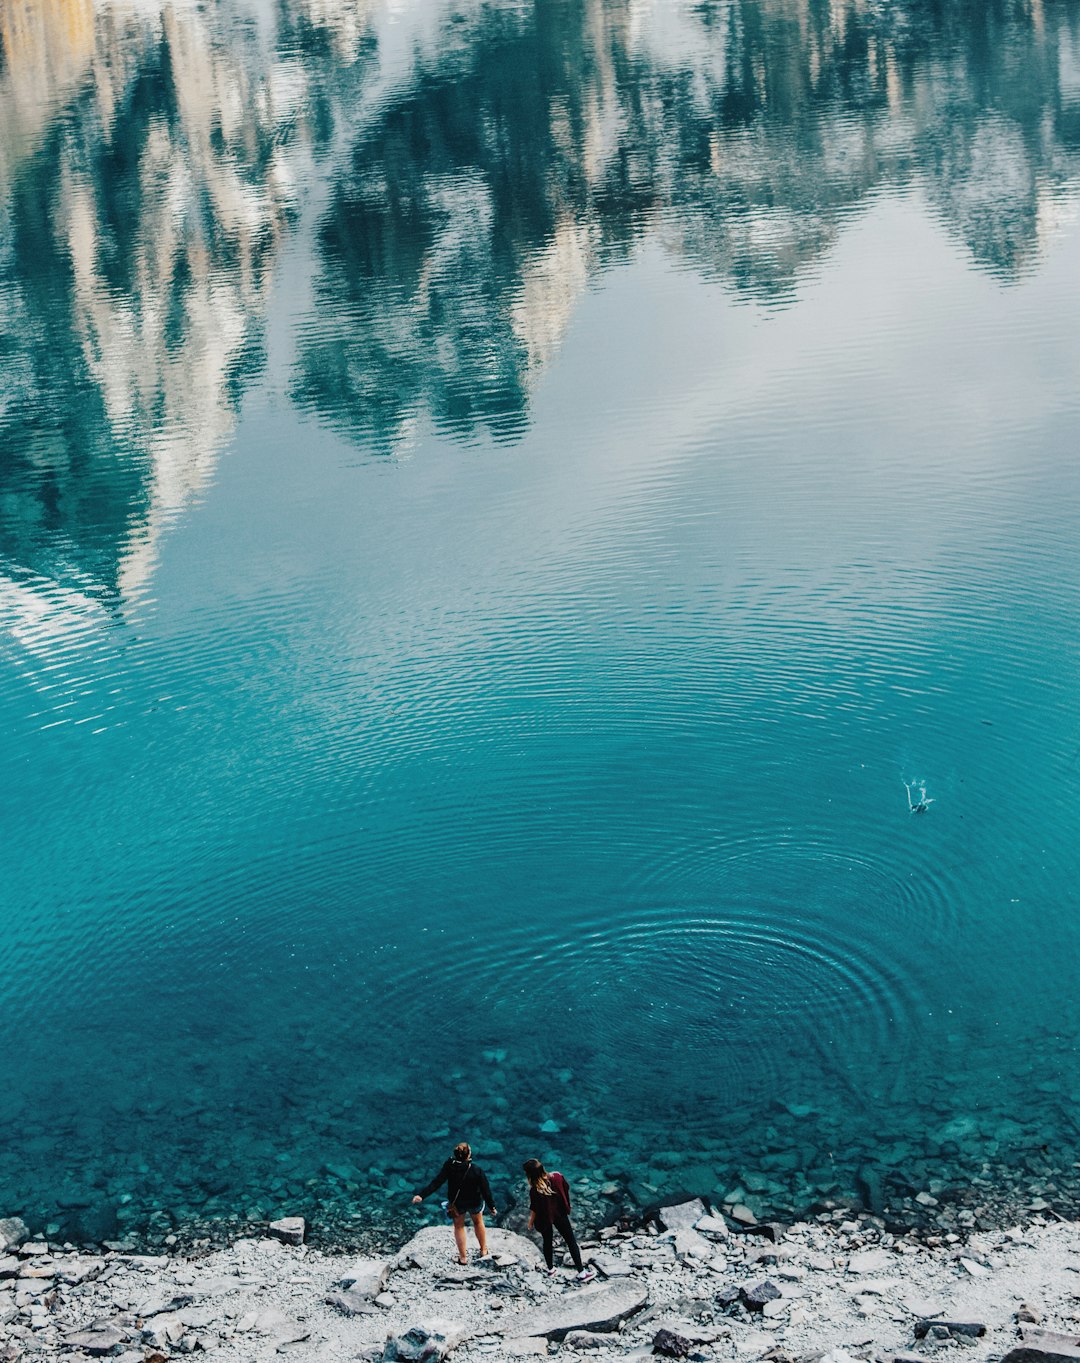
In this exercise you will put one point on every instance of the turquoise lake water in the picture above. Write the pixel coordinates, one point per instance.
(502, 508)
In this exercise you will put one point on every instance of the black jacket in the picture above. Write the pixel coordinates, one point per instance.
(466, 1185)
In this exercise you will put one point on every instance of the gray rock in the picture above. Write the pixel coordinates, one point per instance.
(593, 1308)
(164, 1331)
(289, 1230)
(79, 1270)
(13, 1231)
(757, 1294)
(351, 1303)
(1055, 1353)
(974, 1329)
(714, 1226)
(1037, 1338)
(102, 1339)
(425, 1343)
(689, 1244)
(9, 1266)
(743, 1215)
(670, 1344)
(365, 1277)
(582, 1340)
(611, 1267)
(872, 1261)
(522, 1348)
(197, 1317)
(682, 1215)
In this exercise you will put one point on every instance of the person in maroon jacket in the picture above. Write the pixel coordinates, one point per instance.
(549, 1211)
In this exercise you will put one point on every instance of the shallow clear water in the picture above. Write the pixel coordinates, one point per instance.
(495, 503)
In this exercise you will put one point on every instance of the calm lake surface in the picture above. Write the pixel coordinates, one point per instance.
(496, 502)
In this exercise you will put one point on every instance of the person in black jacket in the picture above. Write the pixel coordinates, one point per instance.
(469, 1193)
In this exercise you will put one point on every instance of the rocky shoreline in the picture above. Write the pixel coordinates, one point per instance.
(684, 1282)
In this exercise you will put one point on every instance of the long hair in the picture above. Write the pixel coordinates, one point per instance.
(462, 1153)
(538, 1178)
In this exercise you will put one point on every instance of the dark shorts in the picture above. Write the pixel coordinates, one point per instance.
(467, 1211)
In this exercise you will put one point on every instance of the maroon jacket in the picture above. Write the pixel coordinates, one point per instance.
(552, 1207)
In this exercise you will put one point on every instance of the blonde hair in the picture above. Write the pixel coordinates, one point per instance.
(462, 1152)
(538, 1178)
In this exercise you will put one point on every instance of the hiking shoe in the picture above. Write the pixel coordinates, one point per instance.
(586, 1275)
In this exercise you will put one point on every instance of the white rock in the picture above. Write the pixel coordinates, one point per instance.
(871, 1261)
(683, 1215)
(714, 1226)
(365, 1277)
(689, 1244)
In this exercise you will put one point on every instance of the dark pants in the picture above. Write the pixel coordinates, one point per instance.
(560, 1223)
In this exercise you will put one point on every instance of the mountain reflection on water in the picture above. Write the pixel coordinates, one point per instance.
(465, 186)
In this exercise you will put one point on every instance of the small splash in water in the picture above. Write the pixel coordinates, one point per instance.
(918, 802)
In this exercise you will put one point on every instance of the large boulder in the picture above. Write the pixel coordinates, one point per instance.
(13, 1232)
(432, 1249)
(601, 1308)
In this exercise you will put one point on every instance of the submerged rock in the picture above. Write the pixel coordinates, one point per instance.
(13, 1231)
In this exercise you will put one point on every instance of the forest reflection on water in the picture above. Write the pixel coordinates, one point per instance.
(413, 727)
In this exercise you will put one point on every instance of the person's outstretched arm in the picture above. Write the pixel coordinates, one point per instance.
(428, 1188)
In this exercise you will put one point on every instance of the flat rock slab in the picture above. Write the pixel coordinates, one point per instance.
(611, 1267)
(1047, 1353)
(99, 1342)
(1036, 1337)
(593, 1308)
(872, 1261)
(351, 1303)
(432, 1249)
